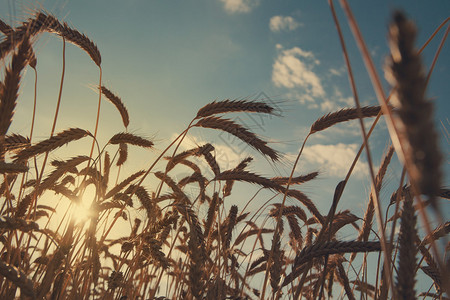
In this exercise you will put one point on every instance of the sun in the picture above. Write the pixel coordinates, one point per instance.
(81, 212)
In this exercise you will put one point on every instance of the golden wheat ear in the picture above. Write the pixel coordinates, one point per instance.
(228, 106)
(343, 115)
(52, 143)
(129, 138)
(240, 132)
(117, 102)
(9, 88)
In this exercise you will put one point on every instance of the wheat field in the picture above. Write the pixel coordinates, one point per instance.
(176, 244)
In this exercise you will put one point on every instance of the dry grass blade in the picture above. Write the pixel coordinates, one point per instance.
(343, 115)
(240, 132)
(129, 138)
(227, 106)
(52, 143)
(415, 122)
(18, 278)
(118, 104)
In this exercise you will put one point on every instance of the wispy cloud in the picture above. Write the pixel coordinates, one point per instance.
(280, 23)
(293, 68)
(334, 160)
(240, 6)
(337, 72)
(336, 101)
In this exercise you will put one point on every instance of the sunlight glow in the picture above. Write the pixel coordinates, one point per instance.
(81, 212)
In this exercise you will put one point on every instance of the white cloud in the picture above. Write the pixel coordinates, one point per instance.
(327, 105)
(240, 6)
(334, 160)
(336, 72)
(279, 23)
(293, 68)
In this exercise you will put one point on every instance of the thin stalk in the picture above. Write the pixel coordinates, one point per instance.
(280, 213)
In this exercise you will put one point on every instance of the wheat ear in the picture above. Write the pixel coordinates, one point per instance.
(18, 278)
(43, 22)
(416, 125)
(240, 132)
(407, 251)
(129, 138)
(343, 115)
(10, 86)
(15, 142)
(117, 102)
(12, 168)
(296, 180)
(52, 143)
(326, 248)
(227, 106)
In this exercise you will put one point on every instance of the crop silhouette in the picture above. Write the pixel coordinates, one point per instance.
(192, 245)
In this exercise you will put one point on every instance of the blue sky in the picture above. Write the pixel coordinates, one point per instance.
(166, 59)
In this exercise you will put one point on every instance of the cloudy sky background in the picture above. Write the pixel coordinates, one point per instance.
(167, 59)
